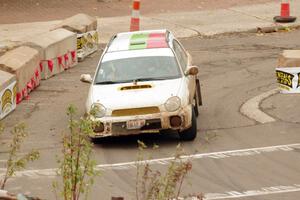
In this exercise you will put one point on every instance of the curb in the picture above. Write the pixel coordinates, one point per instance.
(271, 29)
(251, 108)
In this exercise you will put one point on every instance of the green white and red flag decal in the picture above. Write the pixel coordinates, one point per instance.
(147, 41)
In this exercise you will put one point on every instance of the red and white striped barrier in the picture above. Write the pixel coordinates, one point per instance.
(135, 16)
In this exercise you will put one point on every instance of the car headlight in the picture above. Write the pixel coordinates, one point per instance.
(98, 110)
(173, 104)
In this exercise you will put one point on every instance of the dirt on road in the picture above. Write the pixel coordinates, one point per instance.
(20, 11)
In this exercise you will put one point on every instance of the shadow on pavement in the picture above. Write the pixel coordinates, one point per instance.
(160, 139)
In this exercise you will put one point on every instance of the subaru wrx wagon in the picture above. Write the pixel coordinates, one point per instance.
(144, 83)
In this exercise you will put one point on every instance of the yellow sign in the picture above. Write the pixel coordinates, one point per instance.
(15, 93)
(285, 79)
(95, 37)
(87, 40)
(6, 100)
(81, 42)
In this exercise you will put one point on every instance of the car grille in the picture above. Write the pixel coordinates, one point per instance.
(135, 111)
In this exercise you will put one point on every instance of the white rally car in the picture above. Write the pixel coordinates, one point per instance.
(144, 83)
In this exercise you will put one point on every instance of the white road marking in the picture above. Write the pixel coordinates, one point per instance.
(251, 193)
(164, 161)
(251, 108)
(214, 155)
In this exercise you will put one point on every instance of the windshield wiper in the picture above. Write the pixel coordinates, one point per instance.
(149, 79)
(133, 80)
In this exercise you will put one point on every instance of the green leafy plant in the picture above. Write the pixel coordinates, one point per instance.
(76, 167)
(15, 162)
(155, 185)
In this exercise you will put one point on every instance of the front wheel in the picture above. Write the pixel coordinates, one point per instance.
(190, 133)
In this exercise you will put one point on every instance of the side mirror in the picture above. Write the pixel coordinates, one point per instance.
(193, 70)
(86, 78)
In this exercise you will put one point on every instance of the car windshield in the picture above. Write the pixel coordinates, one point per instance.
(138, 69)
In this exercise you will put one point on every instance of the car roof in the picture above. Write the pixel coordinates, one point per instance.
(140, 53)
(139, 40)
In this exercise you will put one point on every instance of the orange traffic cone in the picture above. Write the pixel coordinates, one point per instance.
(135, 16)
(285, 13)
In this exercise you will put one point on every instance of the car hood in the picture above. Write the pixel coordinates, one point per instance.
(113, 98)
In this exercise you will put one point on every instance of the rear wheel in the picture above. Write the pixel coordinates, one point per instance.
(190, 133)
(195, 105)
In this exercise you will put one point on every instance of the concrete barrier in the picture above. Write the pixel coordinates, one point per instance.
(85, 27)
(8, 45)
(8, 92)
(23, 62)
(80, 23)
(288, 71)
(3, 49)
(58, 51)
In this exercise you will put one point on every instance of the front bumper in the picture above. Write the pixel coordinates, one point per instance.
(116, 126)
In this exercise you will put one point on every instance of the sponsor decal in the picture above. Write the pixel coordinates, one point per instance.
(87, 43)
(87, 40)
(285, 79)
(95, 37)
(148, 40)
(7, 101)
(81, 41)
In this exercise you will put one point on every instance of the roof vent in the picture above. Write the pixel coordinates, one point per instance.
(134, 42)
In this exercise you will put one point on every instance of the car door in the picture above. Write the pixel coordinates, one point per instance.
(184, 59)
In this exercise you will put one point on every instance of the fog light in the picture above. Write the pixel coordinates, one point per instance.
(175, 121)
(99, 128)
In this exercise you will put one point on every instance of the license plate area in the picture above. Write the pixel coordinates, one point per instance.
(135, 124)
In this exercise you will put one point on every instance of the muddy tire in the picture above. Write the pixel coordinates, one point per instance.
(191, 133)
(198, 91)
(94, 140)
(195, 106)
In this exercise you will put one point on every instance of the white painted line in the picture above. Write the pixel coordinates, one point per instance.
(164, 161)
(251, 193)
(214, 155)
(251, 107)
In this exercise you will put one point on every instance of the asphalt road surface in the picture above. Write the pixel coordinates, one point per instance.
(234, 157)
(20, 11)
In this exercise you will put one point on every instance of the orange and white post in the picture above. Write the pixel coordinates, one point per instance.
(135, 16)
(284, 16)
(285, 8)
